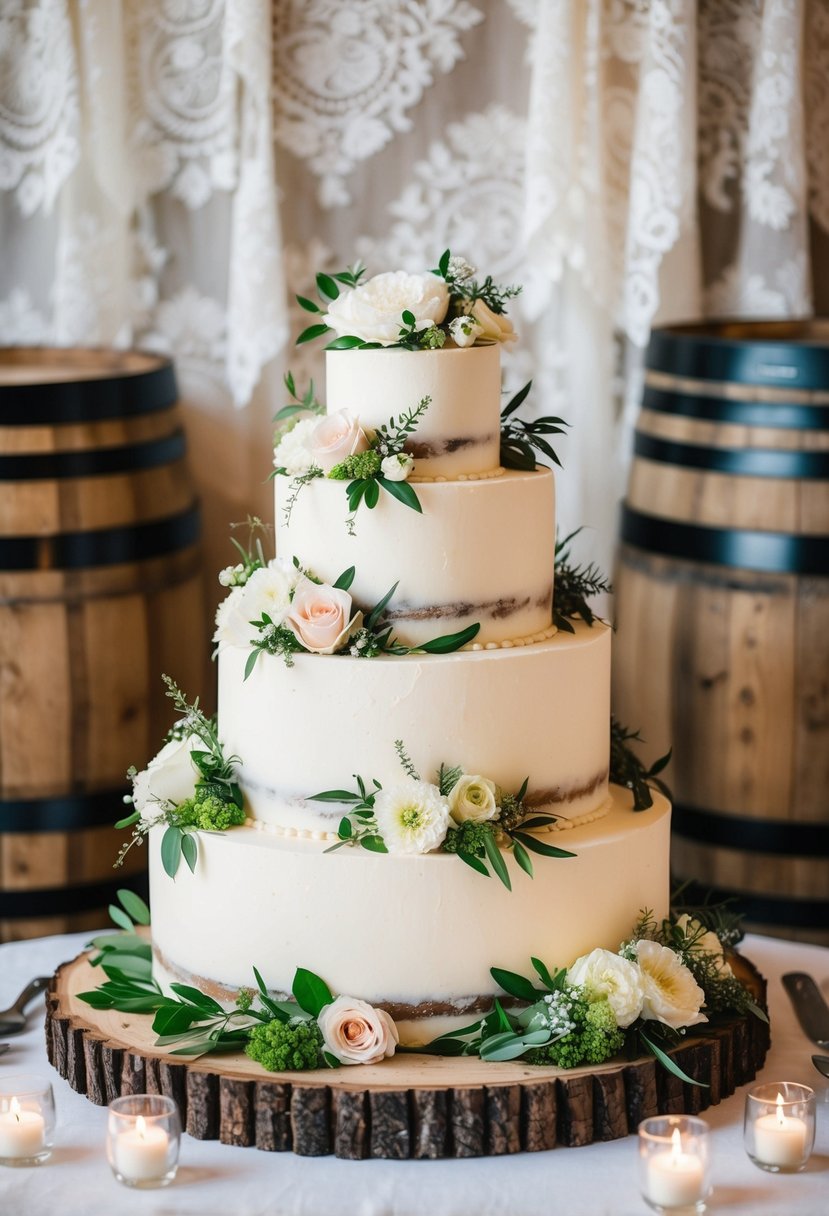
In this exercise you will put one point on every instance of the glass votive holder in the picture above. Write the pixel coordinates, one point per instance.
(27, 1119)
(779, 1126)
(143, 1139)
(674, 1163)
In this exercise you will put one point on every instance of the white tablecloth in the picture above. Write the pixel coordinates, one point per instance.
(216, 1180)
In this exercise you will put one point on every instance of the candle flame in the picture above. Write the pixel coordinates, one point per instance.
(676, 1145)
(781, 1118)
(15, 1108)
(141, 1127)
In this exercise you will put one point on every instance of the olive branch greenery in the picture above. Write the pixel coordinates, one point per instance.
(478, 844)
(521, 440)
(216, 803)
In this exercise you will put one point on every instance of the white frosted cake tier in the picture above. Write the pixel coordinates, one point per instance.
(539, 712)
(480, 551)
(460, 431)
(417, 934)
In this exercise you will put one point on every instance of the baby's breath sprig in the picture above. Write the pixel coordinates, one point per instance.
(252, 555)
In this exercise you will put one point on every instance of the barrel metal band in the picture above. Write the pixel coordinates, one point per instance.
(68, 814)
(63, 402)
(743, 462)
(767, 552)
(64, 901)
(781, 837)
(704, 356)
(102, 546)
(775, 414)
(783, 910)
(93, 462)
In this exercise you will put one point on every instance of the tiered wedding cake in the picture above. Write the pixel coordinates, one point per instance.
(462, 541)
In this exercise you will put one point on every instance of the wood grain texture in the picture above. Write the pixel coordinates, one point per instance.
(412, 1106)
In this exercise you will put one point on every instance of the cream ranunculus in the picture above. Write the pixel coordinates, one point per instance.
(355, 1032)
(293, 452)
(496, 327)
(473, 798)
(603, 974)
(464, 330)
(374, 310)
(320, 616)
(335, 437)
(169, 777)
(412, 817)
(397, 467)
(705, 942)
(671, 994)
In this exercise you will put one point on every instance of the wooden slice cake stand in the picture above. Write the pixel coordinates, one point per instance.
(409, 1106)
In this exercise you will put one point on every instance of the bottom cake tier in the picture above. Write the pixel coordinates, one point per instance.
(416, 935)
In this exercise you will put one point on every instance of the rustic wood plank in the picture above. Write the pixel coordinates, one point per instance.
(75, 1063)
(112, 1062)
(468, 1122)
(133, 1075)
(351, 1121)
(538, 1116)
(641, 1094)
(236, 1118)
(311, 1120)
(575, 1110)
(430, 1123)
(172, 1079)
(95, 1088)
(390, 1124)
(503, 1119)
(273, 1116)
(202, 1120)
(610, 1116)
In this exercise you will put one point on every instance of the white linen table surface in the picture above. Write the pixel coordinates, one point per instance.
(218, 1180)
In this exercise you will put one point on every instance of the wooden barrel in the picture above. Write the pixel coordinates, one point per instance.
(722, 605)
(100, 591)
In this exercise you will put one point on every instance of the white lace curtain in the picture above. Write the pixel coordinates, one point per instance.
(173, 171)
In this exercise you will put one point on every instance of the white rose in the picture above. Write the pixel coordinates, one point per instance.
(169, 777)
(397, 467)
(465, 330)
(671, 994)
(320, 616)
(473, 798)
(268, 590)
(335, 437)
(496, 327)
(293, 452)
(374, 310)
(357, 1033)
(604, 974)
(704, 943)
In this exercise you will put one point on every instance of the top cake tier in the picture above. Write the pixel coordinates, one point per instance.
(460, 431)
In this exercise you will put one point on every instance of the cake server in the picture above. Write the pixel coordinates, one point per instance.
(809, 1005)
(13, 1019)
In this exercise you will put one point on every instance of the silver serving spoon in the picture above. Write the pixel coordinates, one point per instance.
(821, 1063)
(13, 1019)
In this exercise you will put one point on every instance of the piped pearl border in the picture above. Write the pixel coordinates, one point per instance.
(485, 475)
(529, 639)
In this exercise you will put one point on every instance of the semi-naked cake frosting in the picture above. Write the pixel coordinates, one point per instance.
(416, 933)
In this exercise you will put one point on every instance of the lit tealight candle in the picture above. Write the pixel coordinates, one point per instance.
(780, 1139)
(22, 1132)
(141, 1152)
(675, 1178)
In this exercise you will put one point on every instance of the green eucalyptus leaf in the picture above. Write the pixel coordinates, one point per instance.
(475, 862)
(134, 905)
(120, 917)
(333, 796)
(346, 579)
(171, 850)
(523, 858)
(309, 306)
(346, 342)
(327, 287)
(450, 642)
(378, 609)
(544, 974)
(516, 985)
(403, 492)
(496, 860)
(666, 1061)
(310, 992)
(372, 493)
(313, 331)
(251, 661)
(189, 850)
(538, 846)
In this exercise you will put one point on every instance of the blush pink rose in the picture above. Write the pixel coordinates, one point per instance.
(335, 437)
(320, 616)
(357, 1033)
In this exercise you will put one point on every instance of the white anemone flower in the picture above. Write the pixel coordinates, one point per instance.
(412, 817)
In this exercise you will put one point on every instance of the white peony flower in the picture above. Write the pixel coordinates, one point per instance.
(412, 817)
(321, 618)
(705, 943)
(293, 452)
(374, 310)
(603, 974)
(670, 993)
(465, 330)
(496, 327)
(169, 777)
(397, 467)
(335, 437)
(473, 798)
(357, 1033)
(267, 590)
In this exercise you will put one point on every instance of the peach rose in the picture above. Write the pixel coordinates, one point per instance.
(494, 327)
(320, 616)
(357, 1033)
(335, 437)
